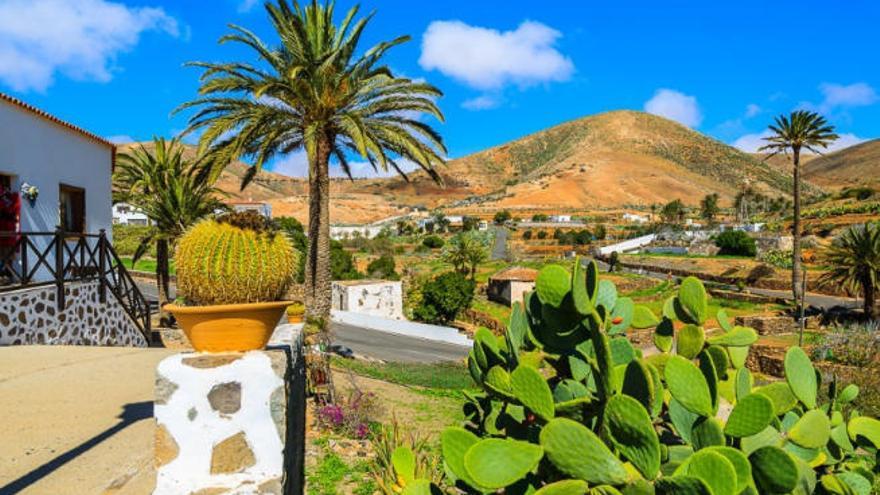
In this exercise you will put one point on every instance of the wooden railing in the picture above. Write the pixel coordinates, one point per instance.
(29, 259)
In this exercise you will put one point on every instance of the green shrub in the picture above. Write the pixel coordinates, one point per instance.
(383, 267)
(295, 231)
(569, 406)
(127, 238)
(542, 234)
(527, 235)
(777, 257)
(433, 242)
(502, 217)
(735, 243)
(600, 232)
(341, 263)
(540, 217)
(444, 297)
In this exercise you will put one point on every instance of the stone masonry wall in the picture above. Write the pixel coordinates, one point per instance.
(229, 423)
(31, 316)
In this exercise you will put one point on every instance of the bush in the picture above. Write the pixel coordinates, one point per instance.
(540, 217)
(527, 235)
(341, 263)
(433, 242)
(542, 235)
(502, 217)
(351, 417)
(383, 267)
(777, 257)
(735, 243)
(126, 239)
(856, 344)
(600, 232)
(444, 297)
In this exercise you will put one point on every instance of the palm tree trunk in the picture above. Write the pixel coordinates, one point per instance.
(869, 294)
(162, 279)
(318, 275)
(796, 269)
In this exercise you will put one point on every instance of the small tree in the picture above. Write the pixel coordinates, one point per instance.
(433, 242)
(502, 217)
(600, 232)
(540, 217)
(854, 258)
(469, 223)
(542, 234)
(295, 231)
(735, 243)
(444, 297)
(527, 235)
(465, 252)
(341, 263)
(673, 212)
(383, 267)
(709, 208)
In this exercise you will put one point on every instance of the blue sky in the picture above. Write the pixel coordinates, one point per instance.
(506, 68)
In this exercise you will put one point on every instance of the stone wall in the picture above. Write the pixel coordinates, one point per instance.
(230, 423)
(31, 316)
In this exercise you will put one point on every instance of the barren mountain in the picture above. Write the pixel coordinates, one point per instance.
(857, 165)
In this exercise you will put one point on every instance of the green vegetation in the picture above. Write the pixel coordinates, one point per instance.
(444, 376)
(673, 212)
(709, 208)
(237, 258)
(383, 267)
(501, 217)
(146, 265)
(127, 238)
(573, 237)
(330, 471)
(735, 243)
(443, 297)
(294, 230)
(342, 263)
(498, 311)
(854, 258)
(871, 208)
(569, 406)
(466, 250)
(433, 242)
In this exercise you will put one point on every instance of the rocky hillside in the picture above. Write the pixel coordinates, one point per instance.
(857, 165)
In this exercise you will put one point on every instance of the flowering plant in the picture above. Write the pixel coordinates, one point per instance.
(352, 417)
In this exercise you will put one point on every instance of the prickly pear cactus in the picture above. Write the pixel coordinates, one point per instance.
(569, 406)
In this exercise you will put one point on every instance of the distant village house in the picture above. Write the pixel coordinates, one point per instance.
(510, 285)
(383, 298)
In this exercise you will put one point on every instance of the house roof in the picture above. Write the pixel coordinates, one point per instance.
(517, 273)
(51, 118)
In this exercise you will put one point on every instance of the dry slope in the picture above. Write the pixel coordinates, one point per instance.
(853, 166)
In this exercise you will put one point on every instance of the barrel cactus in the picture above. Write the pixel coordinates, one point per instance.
(570, 406)
(234, 259)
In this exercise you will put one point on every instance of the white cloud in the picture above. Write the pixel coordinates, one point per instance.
(853, 95)
(486, 58)
(752, 109)
(484, 102)
(297, 165)
(78, 38)
(676, 106)
(247, 5)
(750, 143)
(120, 139)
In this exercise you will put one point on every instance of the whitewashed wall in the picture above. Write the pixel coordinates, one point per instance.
(377, 298)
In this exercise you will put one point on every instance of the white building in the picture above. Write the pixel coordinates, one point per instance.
(511, 284)
(126, 214)
(560, 218)
(70, 167)
(635, 218)
(383, 298)
(340, 232)
(264, 209)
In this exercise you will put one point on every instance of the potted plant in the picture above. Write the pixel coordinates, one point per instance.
(232, 274)
(295, 312)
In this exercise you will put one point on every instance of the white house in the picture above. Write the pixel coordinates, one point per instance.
(510, 285)
(60, 282)
(126, 214)
(339, 232)
(635, 218)
(560, 218)
(382, 298)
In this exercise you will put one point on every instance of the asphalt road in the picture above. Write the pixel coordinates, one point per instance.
(398, 348)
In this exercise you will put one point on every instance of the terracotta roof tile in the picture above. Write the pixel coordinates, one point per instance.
(516, 273)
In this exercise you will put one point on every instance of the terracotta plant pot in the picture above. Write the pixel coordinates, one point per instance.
(229, 327)
(294, 318)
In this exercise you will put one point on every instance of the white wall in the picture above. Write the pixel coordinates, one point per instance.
(379, 298)
(45, 154)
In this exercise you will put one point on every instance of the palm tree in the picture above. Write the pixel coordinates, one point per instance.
(802, 130)
(855, 261)
(465, 252)
(171, 190)
(709, 207)
(313, 90)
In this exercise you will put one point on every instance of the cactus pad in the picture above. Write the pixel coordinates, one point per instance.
(780, 394)
(606, 295)
(740, 465)
(801, 376)
(663, 335)
(621, 316)
(682, 485)
(865, 427)
(751, 415)
(688, 386)
(495, 463)
(706, 432)
(564, 487)
(531, 389)
(812, 430)
(737, 336)
(404, 462)
(723, 320)
(629, 427)
(578, 452)
(692, 298)
(738, 356)
(454, 443)
(643, 317)
(689, 341)
(713, 468)
(773, 470)
(579, 295)
(497, 380)
(639, 384)
(552, 285)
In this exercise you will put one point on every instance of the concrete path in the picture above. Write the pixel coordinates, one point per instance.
(77, 419)
(391, 347)
(499, 250)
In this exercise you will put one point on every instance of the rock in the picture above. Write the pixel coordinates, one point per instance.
(225, 398)
(210, 360)
(166, 447)
(232, 455)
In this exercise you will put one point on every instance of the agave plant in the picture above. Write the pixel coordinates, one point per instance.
(569, 406)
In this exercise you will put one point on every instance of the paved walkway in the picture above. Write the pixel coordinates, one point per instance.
(77, 420)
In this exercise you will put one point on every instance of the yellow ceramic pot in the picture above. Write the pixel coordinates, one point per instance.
(229, 327)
